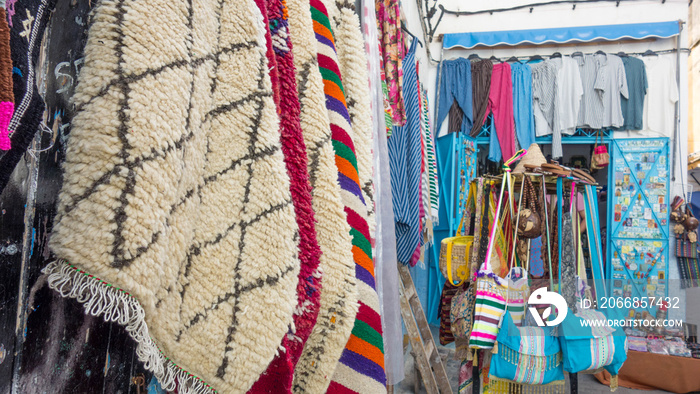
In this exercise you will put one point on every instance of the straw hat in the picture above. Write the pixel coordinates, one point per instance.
(533, 157)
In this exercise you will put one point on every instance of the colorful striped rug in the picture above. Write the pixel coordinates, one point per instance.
(339, 291)
(353, 66)
(361, 366)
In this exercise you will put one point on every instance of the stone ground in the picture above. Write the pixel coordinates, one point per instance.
(588, 384)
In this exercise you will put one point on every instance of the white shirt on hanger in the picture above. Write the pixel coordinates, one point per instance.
(662, 95)
(611, 82)
(570, 90)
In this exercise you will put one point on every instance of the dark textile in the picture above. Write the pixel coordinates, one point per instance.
(689, 270)
(455, 118)
(568, 262)
(29, 106)
(481, 87)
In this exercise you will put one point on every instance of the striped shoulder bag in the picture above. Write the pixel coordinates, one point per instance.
(490, 288)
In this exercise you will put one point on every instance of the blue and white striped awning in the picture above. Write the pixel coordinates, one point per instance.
(560, 35)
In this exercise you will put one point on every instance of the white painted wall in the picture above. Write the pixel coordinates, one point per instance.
(562, 15)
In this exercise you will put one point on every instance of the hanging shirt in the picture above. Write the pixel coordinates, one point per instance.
(569, 92)
(633, 107)
(544, 99)
(662, 95)
(611, 83)
(591, 111)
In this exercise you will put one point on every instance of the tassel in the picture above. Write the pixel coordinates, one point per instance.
(613, 383)
(476, 358)
(495, 348)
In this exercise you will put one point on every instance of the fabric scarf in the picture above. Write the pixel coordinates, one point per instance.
(385, 238)
(432, 163)
(185, 185)
(567, 253)
(389, 26)
(339, 289)
(364, 349)
(27, 20)
(279, 374)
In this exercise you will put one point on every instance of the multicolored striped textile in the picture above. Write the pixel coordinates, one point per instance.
(530, 353)
(338, 308)
(490, 305)
(353, 66)
(432, 163)
(279, 374)
(361, 366)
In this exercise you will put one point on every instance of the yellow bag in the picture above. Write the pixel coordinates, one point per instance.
(454, 251)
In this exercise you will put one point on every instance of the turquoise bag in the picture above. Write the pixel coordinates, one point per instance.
(526, 356)
(587, 348)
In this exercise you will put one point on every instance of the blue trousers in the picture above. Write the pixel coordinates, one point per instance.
(455, 84)
(522, 104)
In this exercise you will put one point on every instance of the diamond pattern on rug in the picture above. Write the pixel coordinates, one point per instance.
(175, 189)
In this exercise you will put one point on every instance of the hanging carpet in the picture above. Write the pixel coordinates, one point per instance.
(175, 192)
(339, 290)
(278, 376)
(363, 353)
(361, 366)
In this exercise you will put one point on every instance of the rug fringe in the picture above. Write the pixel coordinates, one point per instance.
(115, 305)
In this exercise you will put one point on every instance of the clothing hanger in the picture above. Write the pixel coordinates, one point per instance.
(555, 55)
(577, 54)
(649, 52)
(622, 54)
(599, 52)
(403, 27)
(513, 59)
(495, 59)
(474, 56)
(536, 57)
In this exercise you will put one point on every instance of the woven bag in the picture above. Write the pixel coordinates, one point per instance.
(454, 251)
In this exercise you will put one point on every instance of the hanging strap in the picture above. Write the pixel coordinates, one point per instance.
(549, 239)
(471, 200)
(594, 242)
(506, 169)
(513, 260)
(560, 203)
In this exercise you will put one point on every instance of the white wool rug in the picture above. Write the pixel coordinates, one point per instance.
(339, 290)
(175, 192)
